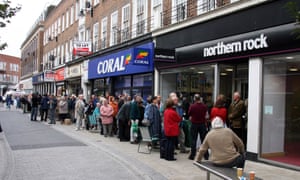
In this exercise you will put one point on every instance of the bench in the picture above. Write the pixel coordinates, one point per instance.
(222, 172)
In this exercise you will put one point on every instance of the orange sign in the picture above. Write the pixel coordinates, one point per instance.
(60, 74)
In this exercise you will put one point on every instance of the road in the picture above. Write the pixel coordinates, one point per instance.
(41, 152)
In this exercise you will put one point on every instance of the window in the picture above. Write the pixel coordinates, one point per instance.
(179, 10)
(3, 66)
(62, 23)
(96, 2)
(114, 30)
(71, 49)
(280, 109)
(104, 33)
(67, 52)
(58, 25)
(72, 15)
(88, 35)
(58, 58)
(77, 10)
(67, 19)
(63, 58)
(156, 14)
(140, 26)
(125, 23)
(205, 6)
(95, 36)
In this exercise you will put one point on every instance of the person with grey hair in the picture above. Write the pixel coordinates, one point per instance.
(227, 149)
(79, 113)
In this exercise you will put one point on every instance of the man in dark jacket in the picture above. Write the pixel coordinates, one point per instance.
(34, 106)
(123, 118)
(44, 107)
(52, 108)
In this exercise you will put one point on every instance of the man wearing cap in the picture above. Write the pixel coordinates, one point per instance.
(227, 149)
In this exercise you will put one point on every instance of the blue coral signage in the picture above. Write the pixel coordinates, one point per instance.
(134, 60)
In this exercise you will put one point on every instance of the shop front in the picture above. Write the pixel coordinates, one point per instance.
(125, 72)
(73, 79)
(262, 64)
(60, 85)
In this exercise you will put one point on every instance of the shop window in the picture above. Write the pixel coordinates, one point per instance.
(280, 110)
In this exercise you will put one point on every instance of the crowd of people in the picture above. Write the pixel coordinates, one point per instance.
(220, 128)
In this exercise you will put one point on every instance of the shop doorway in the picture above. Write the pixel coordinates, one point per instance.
(233, 77)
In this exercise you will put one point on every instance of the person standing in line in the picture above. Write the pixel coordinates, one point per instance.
(44, 107)
(52, 108)
(235, 115)
(135, 116)
(114, 105)
(71, 104)
(219, 110)
(79, 113)
(155, 119)
(63, 109)
(106, 112)
(123, 117)
(171, 129)
(180, 111)
(34, 106)
(198, 115)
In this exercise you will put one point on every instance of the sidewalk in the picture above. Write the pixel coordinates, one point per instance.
(175, 170)
(180, 169)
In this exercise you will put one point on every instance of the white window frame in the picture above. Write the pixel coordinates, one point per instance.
(139, 17)
(63, 57)
(179, 17)
(77, 10)
(63, 23)
(204, 6)
(67, 19)
(125, 26)
(156, 22)
(71, 15)
(114, 29)
(71, 49)
(95, 37)
(104, 33)
(96, 2)
(58, 25)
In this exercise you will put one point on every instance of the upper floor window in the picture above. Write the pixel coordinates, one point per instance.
(156, 14)
(95, 37)
(2, 65)
(96, 2)
(72, 15)
(77, 10)
(114, 31)
(67, 18)
(140, 27)
(179, 10)
(62, 22)
(125, 23)
(104, 32)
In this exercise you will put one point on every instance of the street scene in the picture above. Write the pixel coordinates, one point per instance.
(149, 89)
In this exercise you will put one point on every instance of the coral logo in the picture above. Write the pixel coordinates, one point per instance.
(127, 59)
(141, 56)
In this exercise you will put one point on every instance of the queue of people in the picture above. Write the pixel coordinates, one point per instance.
(220, 128)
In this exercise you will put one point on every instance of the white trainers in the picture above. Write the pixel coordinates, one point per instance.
(76, 129)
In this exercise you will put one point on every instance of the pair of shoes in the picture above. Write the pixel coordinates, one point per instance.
(173, 159)
(191, 158)
(76, 129)
(105, 135)
(185, 151)
(175, 153)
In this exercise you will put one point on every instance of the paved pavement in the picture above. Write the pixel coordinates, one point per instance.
(121, 155)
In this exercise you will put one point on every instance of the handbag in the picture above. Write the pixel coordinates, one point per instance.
(146, 122)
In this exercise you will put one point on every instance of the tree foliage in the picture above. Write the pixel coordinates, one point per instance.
(294, 9)
(6, 13)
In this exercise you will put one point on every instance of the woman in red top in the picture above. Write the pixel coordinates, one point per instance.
(171, 128)
(219, 110)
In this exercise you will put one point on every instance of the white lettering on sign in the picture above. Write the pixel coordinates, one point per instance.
(238, 46)
(111, 65)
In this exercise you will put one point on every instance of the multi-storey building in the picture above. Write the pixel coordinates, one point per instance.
(209, 47)
(32, 66)
(9, 73)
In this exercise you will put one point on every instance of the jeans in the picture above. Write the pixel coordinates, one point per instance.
(170, 147)
(44, 114)
(195, 130)
(107, 129)
(52, 116)
(238, 162)
(34, 111)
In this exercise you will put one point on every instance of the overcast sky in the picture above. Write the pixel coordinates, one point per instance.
(15, 33)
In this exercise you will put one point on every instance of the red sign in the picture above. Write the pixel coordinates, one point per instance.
(60, 74)
(82, 48)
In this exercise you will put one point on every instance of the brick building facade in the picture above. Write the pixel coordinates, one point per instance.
(10, 72)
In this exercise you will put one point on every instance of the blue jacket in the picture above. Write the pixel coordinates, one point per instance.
(45, 103)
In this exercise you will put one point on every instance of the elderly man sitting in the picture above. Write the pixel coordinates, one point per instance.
(227, 149)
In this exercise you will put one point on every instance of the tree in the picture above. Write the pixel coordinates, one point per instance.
(6, 13)
(294, 8)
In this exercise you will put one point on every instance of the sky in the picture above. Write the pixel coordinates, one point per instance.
(15, 32)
